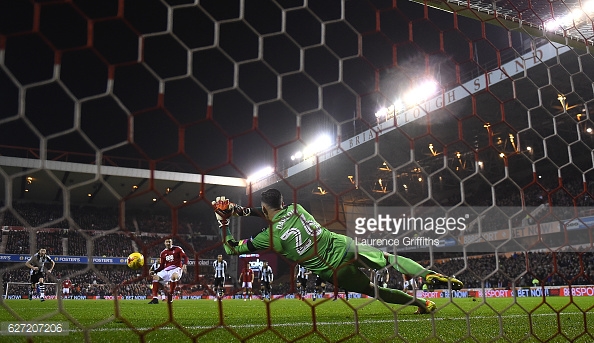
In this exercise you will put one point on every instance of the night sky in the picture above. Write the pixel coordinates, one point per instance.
(198, 86)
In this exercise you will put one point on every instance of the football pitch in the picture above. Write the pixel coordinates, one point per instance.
(556, 319)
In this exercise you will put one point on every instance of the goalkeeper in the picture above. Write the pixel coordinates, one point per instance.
(295, 234)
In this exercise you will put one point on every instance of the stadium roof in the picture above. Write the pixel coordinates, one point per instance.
(565, 21)
(48, 181)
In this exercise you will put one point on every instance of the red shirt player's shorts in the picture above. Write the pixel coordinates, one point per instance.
(166, 273)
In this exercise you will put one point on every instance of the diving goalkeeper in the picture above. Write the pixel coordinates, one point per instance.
(295, 234)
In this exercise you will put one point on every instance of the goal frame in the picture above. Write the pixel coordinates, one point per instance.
(24, 284)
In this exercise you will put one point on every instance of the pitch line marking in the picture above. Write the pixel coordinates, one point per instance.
(367, 321)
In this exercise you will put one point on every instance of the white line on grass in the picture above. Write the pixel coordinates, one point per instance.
(367, 321)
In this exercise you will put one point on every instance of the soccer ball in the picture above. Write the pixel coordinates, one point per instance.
(135, 260)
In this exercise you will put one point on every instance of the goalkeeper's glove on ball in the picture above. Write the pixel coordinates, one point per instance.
(223, 209)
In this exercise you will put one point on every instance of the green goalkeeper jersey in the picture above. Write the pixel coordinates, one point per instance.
(295, 234)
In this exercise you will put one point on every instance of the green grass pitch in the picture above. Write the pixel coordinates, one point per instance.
(554, 319)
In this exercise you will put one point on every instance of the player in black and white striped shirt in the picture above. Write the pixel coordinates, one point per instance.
(302, 274)
(220, 271)
(320, 289)
(266, 277)
(380, 277)
(37, 265)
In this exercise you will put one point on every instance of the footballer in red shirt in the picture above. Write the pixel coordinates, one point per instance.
(66, 285)
(247, 278)
(173, 263)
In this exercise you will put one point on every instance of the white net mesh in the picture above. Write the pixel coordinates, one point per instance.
(120, 121)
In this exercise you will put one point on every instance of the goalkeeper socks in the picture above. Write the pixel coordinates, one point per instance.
(394, 296)
(407, 266)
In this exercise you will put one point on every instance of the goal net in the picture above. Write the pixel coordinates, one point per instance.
(455, 133)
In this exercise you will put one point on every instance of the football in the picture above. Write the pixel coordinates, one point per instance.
(135, 260)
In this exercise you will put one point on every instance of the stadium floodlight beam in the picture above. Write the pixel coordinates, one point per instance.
(260, 174)
(412, 97)
(321, 143)
(296, 155)
(420, 93)
(575, 16)
(399, 106)
(385, 113)
(381, 113)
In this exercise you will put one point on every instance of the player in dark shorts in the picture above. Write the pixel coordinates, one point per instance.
(36, 264)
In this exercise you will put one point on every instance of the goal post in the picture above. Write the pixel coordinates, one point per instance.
(16, 290)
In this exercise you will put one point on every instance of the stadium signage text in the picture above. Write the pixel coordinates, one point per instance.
(578, 291)
(508, 293)
(565, 291)
(579, 223)
(85, 259)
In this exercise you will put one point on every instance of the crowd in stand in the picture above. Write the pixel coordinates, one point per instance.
(106, 245)
(515, 208)
(95, 218)
(520, 269)
(516, 270)
(144, 232)
(148, 232)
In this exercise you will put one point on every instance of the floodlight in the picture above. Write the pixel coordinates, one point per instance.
(260, 174)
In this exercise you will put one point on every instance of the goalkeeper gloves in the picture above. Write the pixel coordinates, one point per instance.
(224, 209)
(240, 210)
